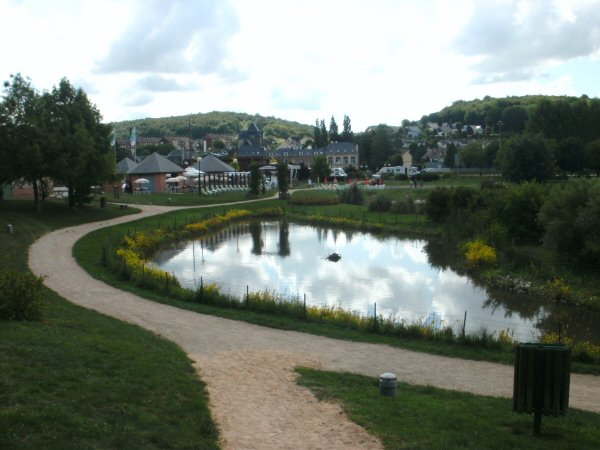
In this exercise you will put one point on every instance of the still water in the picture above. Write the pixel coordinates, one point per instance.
(400, 276)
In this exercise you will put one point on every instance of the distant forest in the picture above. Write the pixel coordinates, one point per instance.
(553, 117)
(198, 125)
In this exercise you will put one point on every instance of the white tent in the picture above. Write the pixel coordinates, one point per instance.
(142, 181)
(191, 172)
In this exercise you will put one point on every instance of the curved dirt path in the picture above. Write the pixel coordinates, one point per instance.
(248, 369)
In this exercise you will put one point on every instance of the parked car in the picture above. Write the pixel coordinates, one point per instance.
(338, 172)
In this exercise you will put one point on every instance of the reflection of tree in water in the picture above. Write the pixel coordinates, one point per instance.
(576, 322)
(258, 244)
(284, 238)
(440, 254)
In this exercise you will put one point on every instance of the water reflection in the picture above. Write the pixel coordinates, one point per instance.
(411, 279)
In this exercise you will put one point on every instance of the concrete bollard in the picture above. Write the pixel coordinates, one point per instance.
(388, 384)
(9, 228)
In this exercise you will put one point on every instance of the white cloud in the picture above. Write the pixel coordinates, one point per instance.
(514, 41)
(377, 62)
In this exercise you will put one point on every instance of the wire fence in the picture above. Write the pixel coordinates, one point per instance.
(466, 323)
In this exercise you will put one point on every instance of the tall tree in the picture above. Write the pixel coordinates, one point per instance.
(79, 143)
(21, 119)
(592, 156)
(450, 154)
(381, 148)
(527, 157)
(570, 157)
(324, 135)
(334, 135)
(347, 134)
(319, 168)
(473, 155)
(317, 135)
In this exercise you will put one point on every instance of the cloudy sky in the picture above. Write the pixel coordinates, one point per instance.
(378, 61)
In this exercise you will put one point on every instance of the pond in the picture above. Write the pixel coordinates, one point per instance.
(407, 278)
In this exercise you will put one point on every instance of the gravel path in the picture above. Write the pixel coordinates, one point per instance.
(248, 369)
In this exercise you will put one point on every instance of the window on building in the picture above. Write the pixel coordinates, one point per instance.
(337, 159)
(353, 160)
(345, 160)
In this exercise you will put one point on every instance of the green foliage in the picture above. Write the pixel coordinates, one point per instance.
(563, 117)
(592, 156)
(255, 179)
(519, 211)
(473, 155)
(451, 151)
(437, 205)
(311, 197)
(20, 296)
(404, 205)
(571, 218)
(381, 202)
(283, 178)
(217, 122)
(353, 195)
(426, 176)
(320, 168)
(570, 157)
(527, 157)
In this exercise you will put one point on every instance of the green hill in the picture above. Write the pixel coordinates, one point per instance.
(219, 122)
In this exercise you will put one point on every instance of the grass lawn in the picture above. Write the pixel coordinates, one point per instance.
(79, 379)
(423, 417)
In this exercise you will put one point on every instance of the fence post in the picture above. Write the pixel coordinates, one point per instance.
(464, 324)
(247, 296)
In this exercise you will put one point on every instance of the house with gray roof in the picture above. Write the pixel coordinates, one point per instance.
(155, 168)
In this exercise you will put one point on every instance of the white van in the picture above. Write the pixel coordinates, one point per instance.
(409, 171)
(338, 172)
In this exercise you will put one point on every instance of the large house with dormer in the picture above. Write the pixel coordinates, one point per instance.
(250, 150)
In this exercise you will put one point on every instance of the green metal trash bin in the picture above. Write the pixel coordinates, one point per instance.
(102, 202)
(541, 380)
(388, 384)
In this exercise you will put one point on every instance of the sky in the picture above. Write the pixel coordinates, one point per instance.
(377, 61)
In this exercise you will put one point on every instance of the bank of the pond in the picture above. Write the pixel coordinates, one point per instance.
(138, 241)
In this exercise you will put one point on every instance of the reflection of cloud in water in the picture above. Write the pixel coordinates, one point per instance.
(394, 273)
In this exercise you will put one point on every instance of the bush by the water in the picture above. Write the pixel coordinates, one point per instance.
(353, 195)
(20, 296)
(380, 203)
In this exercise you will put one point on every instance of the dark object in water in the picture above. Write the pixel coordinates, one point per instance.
(335, 257)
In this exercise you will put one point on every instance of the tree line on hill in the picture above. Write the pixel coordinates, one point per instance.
(55, 135)
(216, 122)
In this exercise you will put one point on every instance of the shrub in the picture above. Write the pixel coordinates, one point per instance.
(20, 296)
(426, 176)
(404, 205)
(380, 203)
(352, 195)
(478, 252)
(437, 205)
